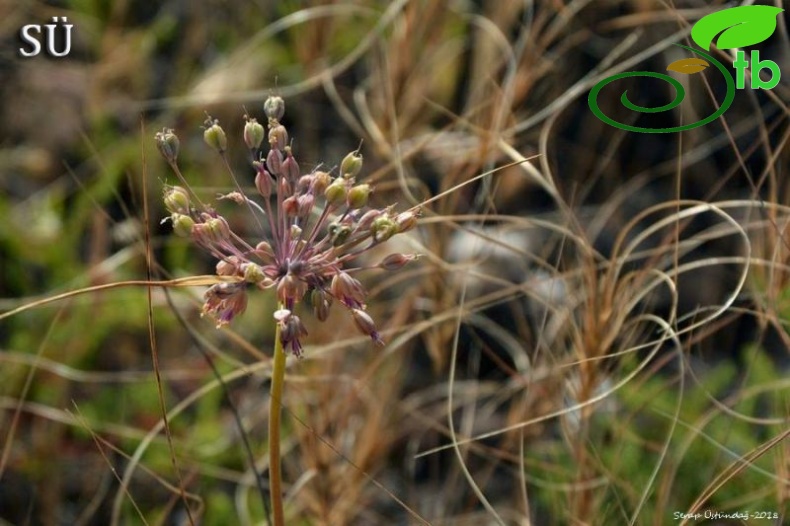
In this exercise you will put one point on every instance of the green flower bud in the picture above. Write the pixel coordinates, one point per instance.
(214, 136)
(335, 193)
(351, 165)
(358, 196)
(217, 229)
(274, 107)
(177, 200)
(253, 134)
(383, 228)
(168, 144)
(340, 235)
(182, 224)
(253, 273)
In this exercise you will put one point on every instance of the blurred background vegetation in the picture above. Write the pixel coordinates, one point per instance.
(608, 321)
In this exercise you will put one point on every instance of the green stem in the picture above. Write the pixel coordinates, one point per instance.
(275, 476)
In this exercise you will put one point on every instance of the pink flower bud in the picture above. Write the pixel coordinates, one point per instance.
(366, 326)
(274, 161)
(407, 220)
(291, 206)
(229, 266)
(396, 261)
(305, 204)
(290, 289)
(263, 181)
(347, 290)
(278, 137)
(264, 251)
(367, 218)
(290, 167)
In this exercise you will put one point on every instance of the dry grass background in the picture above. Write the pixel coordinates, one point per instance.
(597, 335)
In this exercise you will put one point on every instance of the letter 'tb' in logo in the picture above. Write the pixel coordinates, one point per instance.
(735, 27)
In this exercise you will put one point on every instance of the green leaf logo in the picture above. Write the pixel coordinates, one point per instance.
(739, 26)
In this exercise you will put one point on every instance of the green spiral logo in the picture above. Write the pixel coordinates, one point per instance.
(680, 94)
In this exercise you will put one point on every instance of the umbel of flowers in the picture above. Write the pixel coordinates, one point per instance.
(313, 229)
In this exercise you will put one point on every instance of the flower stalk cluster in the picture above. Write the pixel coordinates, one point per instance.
(313, 227)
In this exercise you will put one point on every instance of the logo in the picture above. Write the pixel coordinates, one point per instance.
(736, 27)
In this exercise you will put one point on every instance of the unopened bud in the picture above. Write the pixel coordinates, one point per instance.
(168, 144)
(351, 165)
(291, 206)
(305, 204)
(365, 324)
(340, 235)
(396, 261)
(347, 289)
(177, 200)
(253, 273)
(274, 107)
(217, 229)
(305, 182)
(383, 228)
(358, 196)
(335, 193)
(367, 218)
(290, 166)
(321, 302)
(274, 161)
(278, 137)
(407, 220)
(290, 289)
(264, 251)
(229, 266)
(182, 224)
(321, 180)
(214, 136)
(253, 134)
(263, 181)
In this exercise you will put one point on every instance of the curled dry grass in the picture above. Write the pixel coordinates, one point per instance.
(569, 359)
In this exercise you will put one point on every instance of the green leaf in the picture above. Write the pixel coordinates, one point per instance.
(739, 26)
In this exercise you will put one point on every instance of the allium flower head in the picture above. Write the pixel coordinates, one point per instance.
(314, 228)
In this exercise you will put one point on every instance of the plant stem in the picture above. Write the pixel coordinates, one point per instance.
(275, 476)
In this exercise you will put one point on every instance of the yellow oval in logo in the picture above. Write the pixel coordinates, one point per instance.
(688, 66)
